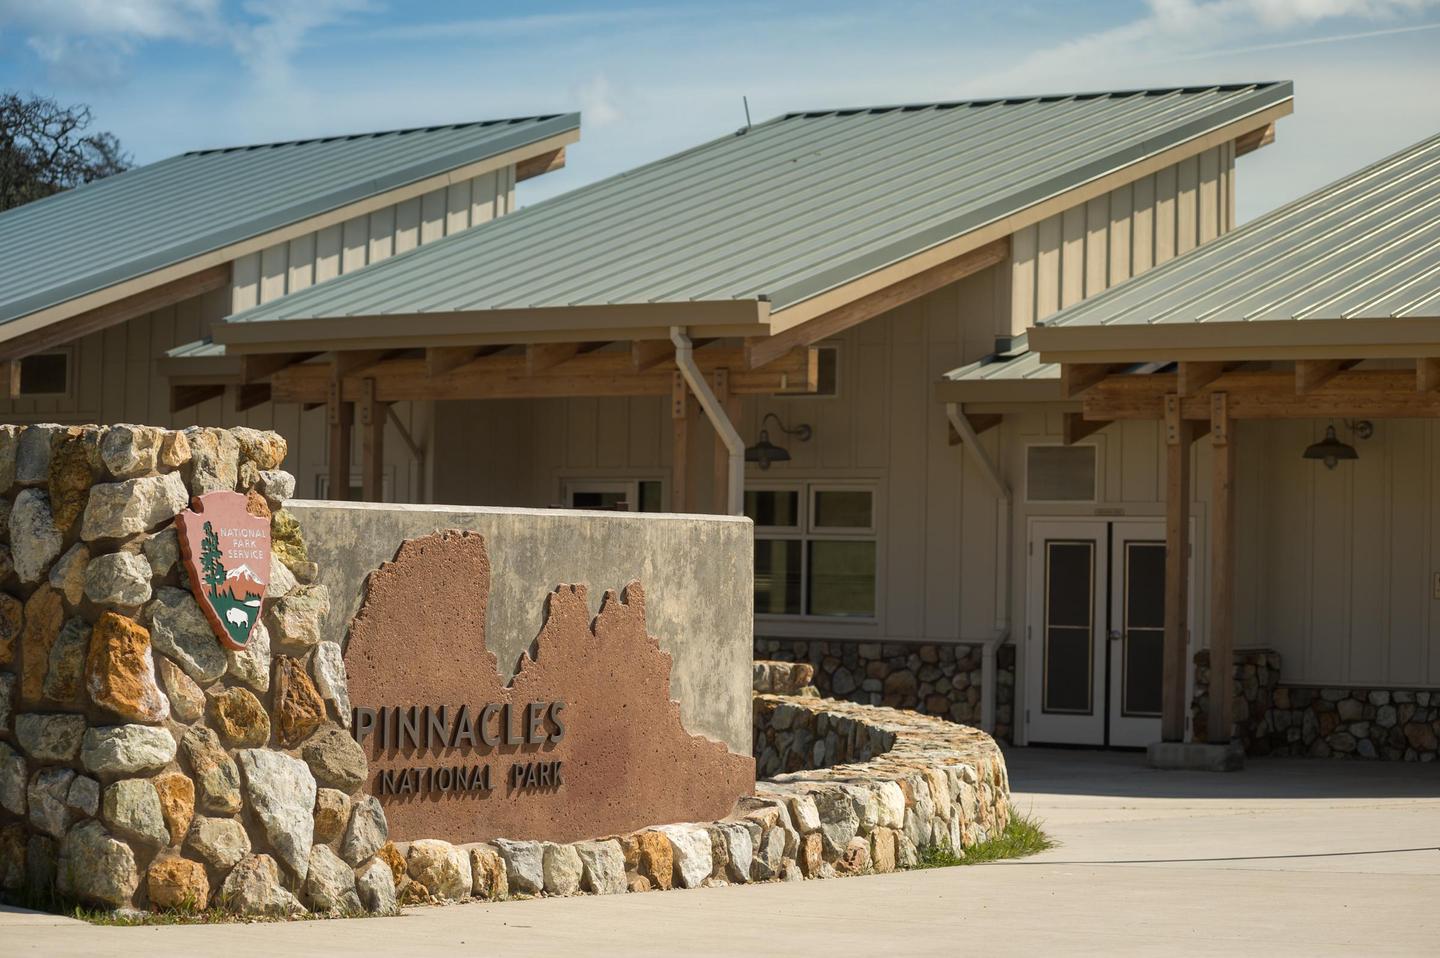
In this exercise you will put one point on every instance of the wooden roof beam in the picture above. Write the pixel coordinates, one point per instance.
(1427, 374)
(1195, 376)
(870, 305)
(649, 353)
(1252, 141)
(442, 359)
(348, 362)
(1269, 394)
(540, 164)
(542, 356)
(1076, 378)
(256, 367)
(1311, 374)
(506, 376)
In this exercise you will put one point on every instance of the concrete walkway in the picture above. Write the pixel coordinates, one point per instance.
(1287, 857)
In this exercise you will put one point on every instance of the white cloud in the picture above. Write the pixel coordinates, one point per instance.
(277, 29)
(597, 102)
(1185, 29)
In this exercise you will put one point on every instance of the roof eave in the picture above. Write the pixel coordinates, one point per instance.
(710, 319)
(1321, 338)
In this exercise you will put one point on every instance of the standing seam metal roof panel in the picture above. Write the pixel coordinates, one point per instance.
(784, 210)
(123, 226)
(1366, 246)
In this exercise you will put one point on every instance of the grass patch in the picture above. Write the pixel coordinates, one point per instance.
(1022, 837)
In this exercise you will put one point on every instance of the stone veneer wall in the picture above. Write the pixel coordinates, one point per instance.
(1276, 719)
(932, 678)
(908, 783)
(142, 765)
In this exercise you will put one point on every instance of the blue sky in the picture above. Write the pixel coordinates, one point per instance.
(652, 78)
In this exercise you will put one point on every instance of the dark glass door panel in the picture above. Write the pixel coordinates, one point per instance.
(1069, 626)
(1144, 629)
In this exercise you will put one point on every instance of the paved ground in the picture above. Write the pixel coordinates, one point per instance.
(1287, 857)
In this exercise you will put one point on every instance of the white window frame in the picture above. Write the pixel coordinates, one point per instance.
(67, 393)
(805, 531)
(1095, 496)
(630, 487)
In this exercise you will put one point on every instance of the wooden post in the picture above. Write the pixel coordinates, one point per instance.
(720, 383)
(339, 415)
(680, 440)
(1222, 570)
(372, 443)
(1177, 572)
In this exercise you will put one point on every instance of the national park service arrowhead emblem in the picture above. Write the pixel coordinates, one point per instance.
(227, 558)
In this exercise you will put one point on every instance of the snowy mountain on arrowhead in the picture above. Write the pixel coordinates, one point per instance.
(242, 581)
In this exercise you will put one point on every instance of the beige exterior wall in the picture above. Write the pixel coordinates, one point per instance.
(116, 380)
(1335, 567)
(1089, 248)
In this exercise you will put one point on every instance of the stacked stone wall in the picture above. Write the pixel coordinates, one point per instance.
(141, 764)
(1271, 718)
(869, 790)
(933, 678)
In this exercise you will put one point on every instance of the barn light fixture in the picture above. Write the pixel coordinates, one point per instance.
(765, 452)
(1331, 450)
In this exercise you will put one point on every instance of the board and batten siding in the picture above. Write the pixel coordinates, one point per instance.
(1334, 569)
(115, 379)
(1088, 248)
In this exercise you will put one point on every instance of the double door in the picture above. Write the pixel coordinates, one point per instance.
(1096, 631)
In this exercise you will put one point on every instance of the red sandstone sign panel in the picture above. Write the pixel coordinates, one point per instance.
(584, 741)
(227, 559)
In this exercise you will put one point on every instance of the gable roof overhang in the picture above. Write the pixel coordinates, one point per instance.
(123, 246)
(783, 234)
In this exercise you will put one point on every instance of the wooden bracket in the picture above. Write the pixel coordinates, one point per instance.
(979, 423)
(1194, 376)
(1076, 427)
(1219, 419)
(1427, 374)
(1172, 419)
(1075, 378)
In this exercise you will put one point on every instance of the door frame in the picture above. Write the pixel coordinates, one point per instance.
(1030, 661)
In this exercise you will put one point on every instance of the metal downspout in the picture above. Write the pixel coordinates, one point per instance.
(971, 442)
(685, 360)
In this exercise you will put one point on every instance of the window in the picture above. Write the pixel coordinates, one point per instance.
(622, 495)
(44, 374)
(1060, 473)
(815, 550)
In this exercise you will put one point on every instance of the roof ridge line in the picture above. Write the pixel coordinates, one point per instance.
(1019, 99)
(364, 135)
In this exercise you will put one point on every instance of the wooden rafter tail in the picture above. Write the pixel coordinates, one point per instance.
(1077, 378)
(879, 301)
(506, 376)
(1195, 376)
(537, 165)
(439, 360)
(257, 367)
(649, 353)
(1312, 374)
(1427, 374)
(1252, 141)
(542, 356)
(351, 361)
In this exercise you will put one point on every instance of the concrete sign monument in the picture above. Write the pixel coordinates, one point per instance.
(584, 741)
(227, 559)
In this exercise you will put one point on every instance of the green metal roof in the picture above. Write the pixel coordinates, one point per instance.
(127, 225)
(783, 210)
(1364, 247)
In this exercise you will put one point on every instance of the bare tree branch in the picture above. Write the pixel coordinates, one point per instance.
(42, 151)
